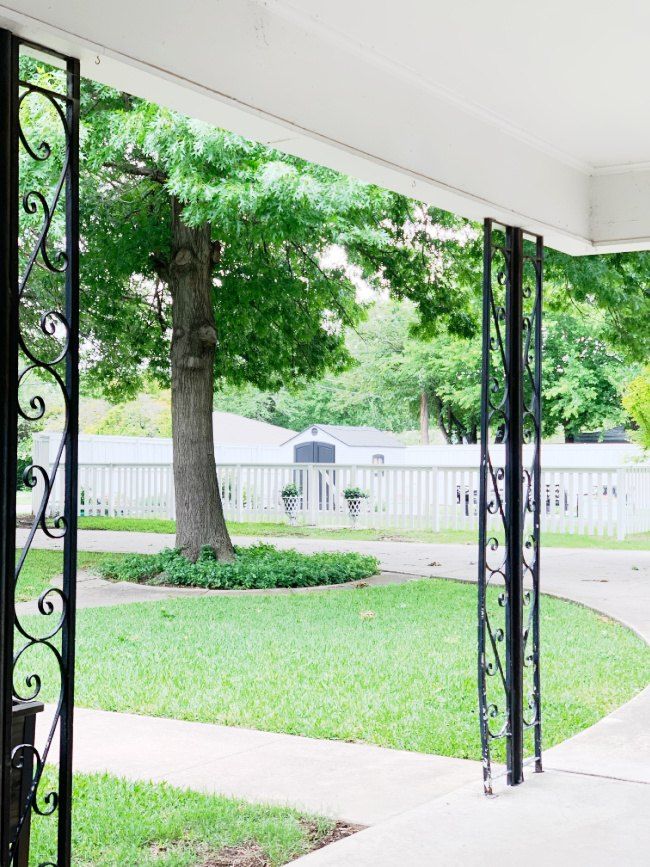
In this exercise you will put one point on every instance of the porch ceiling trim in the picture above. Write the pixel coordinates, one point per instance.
(309, 92)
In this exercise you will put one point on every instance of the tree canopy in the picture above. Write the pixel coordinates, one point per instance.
(583, 379)
(291, 243)
(281, 299)
(209, 257)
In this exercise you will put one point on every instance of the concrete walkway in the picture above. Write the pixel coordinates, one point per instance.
(614, 582)
(360, 783)
(590, 807)
(96, 592)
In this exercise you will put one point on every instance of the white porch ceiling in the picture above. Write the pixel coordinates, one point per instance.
(533, 113)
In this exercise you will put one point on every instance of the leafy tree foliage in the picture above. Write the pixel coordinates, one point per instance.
(617, 285)
(636, 401)
(206, 255)
(149, 415)
(216, 253)
(582, 379)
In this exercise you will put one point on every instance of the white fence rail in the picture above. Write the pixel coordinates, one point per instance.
(591, 501)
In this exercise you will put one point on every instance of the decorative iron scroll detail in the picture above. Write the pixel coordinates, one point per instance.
(47, 347)
(509, 502)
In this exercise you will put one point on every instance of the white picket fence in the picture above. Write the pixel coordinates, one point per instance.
(591, 501)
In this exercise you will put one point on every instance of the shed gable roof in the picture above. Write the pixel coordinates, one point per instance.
(233, 429)
(368, 437)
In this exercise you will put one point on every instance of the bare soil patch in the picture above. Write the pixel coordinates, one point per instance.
(250, 854)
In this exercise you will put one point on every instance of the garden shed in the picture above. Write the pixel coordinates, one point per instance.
(344, 444)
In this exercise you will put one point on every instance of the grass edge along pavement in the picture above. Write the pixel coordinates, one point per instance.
(125, 823)
(42, 566)
(638, 542)
(393, 666)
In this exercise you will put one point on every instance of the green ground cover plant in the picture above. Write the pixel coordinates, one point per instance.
(392, 665)
(638, 542)
(118, 822)
(257, 567)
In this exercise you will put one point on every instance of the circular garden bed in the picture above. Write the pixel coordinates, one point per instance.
(257, 567)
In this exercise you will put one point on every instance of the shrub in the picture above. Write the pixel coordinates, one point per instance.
(255, 568)
(636, 401)
(290, 490)
(355, 494)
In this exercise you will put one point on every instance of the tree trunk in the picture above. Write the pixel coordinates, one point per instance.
(199, 511)
(424, 419)
(439, 410)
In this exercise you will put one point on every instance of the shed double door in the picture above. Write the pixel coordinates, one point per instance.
(319, 453)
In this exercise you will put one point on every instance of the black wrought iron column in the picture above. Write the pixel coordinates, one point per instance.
(39, 313)
(8, 407)
(509, 507)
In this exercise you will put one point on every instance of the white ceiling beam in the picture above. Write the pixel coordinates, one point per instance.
(267, 76)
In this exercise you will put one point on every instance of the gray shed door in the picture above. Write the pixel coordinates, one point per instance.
(314, 453)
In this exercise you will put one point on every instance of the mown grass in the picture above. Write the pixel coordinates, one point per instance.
(394, 666)
(638, 542)
(117, 823)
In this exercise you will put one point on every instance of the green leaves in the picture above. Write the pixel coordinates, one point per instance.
(282, 301)
(582, 378)
(636, 401)
(256, 567)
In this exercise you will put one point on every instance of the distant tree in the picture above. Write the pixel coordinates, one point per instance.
(617, 285)
(583, 376)
(149, 415)
(582, 379)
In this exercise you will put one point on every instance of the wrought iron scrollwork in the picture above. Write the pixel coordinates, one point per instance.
(532, 281)
(509, 511)
(46, 98)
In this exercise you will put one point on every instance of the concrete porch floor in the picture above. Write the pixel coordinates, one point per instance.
(553, 819)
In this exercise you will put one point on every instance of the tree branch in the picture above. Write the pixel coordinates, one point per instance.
(138, 171)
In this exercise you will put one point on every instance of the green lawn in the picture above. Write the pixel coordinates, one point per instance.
(42, 566)
(123, 824)
(392, 665)
(639, 542)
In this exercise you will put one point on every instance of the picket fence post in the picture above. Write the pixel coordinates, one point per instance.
(435, 501)
(312, 494)
(621, 493)
(240, 493)
(41, 458)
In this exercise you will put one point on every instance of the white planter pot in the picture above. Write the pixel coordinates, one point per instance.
(354, 508)
(291, 507)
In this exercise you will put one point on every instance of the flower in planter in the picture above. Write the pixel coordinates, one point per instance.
(355, 494)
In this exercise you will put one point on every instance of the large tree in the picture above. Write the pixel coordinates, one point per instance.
(208, 258)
